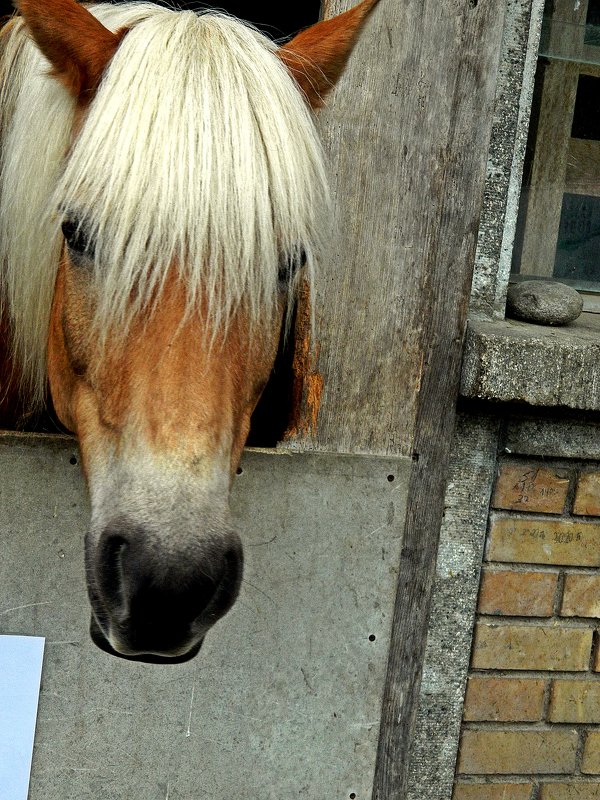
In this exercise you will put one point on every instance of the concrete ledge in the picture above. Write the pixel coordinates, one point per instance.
(512, 361)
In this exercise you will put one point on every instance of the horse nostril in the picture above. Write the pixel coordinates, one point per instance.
(156, 598)
(112, 550)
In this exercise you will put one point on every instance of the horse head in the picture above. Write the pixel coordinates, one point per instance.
(191, 195)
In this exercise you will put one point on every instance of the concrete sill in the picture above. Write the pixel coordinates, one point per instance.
(511, 361)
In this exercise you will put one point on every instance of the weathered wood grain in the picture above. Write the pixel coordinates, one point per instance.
(469, 59)
(405, 217)
(407, 137)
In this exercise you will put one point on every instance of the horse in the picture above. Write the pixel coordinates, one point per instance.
(163, 194)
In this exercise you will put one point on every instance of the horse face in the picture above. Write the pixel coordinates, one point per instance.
(162, 409)
(161, 419)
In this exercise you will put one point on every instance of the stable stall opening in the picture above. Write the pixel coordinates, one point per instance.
(277, 21)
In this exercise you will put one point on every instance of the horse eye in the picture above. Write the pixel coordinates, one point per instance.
(289, 266)
(76, 238)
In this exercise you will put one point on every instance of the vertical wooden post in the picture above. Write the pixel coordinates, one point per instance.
(407, 136)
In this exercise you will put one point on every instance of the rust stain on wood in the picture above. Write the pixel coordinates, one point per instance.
(314, 392)
(308, 383)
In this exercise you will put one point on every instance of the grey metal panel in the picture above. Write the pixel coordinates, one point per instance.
(283, 700)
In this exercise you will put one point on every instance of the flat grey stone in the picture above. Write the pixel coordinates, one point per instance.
(560, 436)
(543, 302)
(517, 362)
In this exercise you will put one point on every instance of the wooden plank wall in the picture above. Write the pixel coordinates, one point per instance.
(407, 135)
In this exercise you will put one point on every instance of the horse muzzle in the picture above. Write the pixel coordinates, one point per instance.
(154, 597)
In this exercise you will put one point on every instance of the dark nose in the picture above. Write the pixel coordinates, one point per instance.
(159, 598)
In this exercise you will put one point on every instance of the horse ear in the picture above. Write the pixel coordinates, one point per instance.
(77, 45)
(316, 57)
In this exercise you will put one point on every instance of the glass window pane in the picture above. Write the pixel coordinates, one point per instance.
(558, 231)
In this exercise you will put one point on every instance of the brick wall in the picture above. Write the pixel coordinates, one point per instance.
(531, 725)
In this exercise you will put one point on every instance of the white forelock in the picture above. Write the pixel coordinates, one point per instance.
(198, 151)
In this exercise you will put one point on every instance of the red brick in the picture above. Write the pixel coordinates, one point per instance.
(581, 596)
(590, 764)
(492, 791)
(504, 699)
(570, 791)
(532, 647)
(530, 487)
(587, 495)
(521, 594)
(518, 752)
(544, 541)
(575, 700)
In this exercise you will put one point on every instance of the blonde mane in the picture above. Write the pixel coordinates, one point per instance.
(198, 150)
